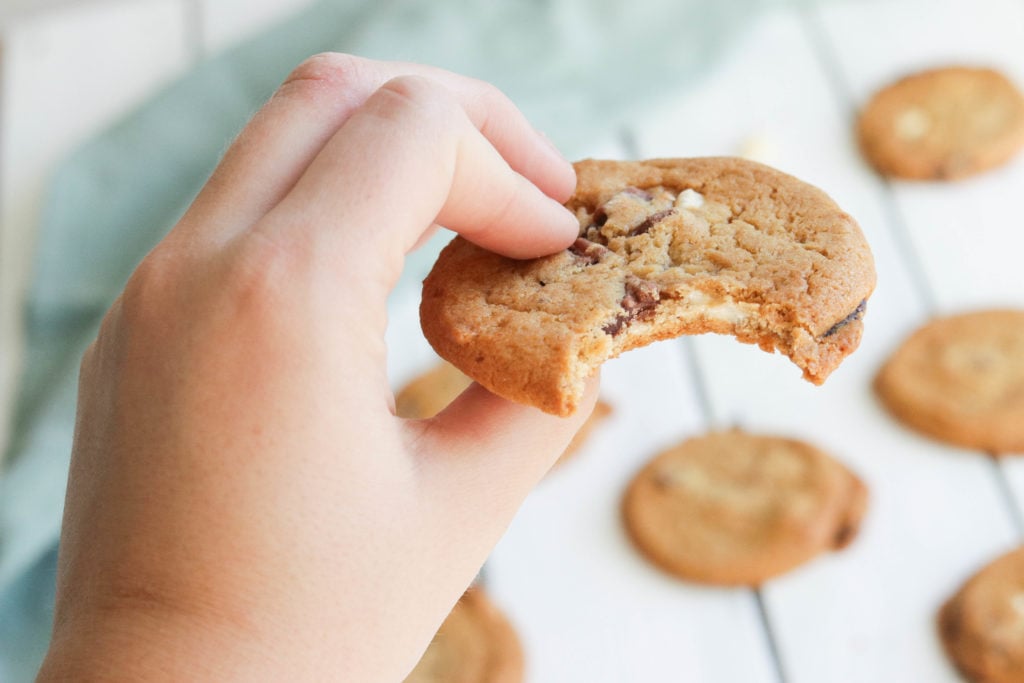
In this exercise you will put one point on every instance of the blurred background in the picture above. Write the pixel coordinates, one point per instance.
(112, 113)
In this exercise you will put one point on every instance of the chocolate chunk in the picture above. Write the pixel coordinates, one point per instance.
(856, 315)
(649, 222)
(641, 299)
(600, 216)
(615, 326)
(587, 251)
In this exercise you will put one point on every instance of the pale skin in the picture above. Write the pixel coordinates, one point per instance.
(243, 504)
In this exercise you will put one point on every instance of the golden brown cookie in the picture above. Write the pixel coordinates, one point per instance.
(982, 626)
(737, 509)
(429, 393)
(943, 124)
(475, 644)
(667, 247)
(960, 379)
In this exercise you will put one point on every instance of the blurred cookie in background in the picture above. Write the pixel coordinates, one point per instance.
(734, 508)
(943, 124)
(475, 644)
(431, 392)
(982, 626)
(960, 379)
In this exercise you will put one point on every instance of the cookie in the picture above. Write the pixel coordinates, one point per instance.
(982, 626)
(960, 379)
(732, 508)
(943, 124)
(475, 644)
(667, 247)
(429, 393)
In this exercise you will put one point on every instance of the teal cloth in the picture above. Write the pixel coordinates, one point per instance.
(578, 68)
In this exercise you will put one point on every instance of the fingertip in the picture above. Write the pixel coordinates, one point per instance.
(569, 183)
(555, 228)
(562, 179)
(559, 231)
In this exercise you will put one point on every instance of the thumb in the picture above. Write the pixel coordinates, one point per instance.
(483, 454)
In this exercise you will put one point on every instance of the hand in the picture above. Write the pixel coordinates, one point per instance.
(243, 503)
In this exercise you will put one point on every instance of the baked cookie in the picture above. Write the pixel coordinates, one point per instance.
(475, 644)
(960, 379)
(943, 124)
(733, 508)
(428, 394)
(666, 247)
(982, 626)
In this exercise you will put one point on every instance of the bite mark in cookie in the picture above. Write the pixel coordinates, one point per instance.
(666, 247)
(856, 315)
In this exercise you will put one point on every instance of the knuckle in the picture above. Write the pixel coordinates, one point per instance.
(491, 102)
(88, 359)
(417, 97)
(331, 72)
(258, 275)
(146, 294)
(491, 95)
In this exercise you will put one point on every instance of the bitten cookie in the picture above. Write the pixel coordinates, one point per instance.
(475, 644)
(734, 508)
(943, 124)
(428, 394)
(666, 247)
(982, 626)
(960, 379)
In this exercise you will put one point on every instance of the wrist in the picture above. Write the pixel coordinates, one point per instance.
(154, 647)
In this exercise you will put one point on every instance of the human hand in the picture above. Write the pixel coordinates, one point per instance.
(242, 503)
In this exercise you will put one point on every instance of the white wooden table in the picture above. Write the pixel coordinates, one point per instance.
(587, 606)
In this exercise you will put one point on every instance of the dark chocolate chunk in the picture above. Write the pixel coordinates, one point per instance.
(615, 326)
(641, 299)
(856, 315)
(649, 222)
(587, 251)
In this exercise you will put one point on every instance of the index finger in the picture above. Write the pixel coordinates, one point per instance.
(281, 141)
